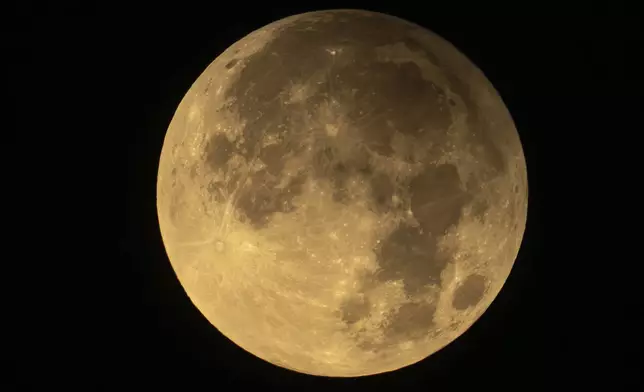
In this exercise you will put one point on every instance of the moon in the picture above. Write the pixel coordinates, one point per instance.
(342, 193)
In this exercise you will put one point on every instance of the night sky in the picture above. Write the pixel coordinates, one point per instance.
(97, 304)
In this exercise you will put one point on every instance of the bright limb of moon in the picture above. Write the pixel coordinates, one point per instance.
(342, 193)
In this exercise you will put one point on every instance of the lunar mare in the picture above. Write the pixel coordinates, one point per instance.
(342, 193)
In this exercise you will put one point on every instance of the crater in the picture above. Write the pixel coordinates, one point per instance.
(231, 63)
(469, 293)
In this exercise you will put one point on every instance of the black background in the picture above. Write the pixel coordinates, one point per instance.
(94, 88)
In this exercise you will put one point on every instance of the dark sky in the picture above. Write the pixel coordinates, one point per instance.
(94, 89)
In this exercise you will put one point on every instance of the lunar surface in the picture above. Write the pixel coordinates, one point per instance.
(342, 193)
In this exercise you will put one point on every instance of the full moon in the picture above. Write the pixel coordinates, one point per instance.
(342, 193)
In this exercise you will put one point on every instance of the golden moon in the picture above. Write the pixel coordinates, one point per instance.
(342, 193)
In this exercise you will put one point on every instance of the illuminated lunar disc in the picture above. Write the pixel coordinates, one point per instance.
(342, 193)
